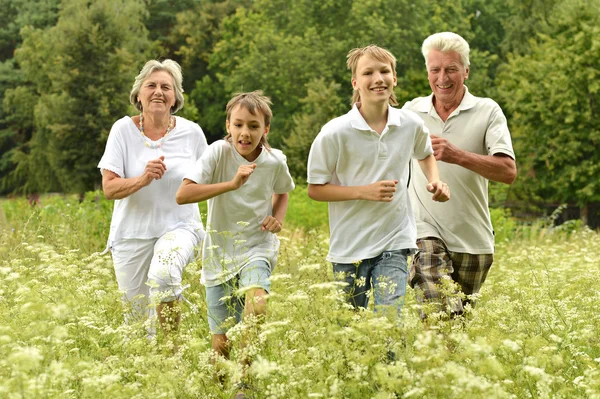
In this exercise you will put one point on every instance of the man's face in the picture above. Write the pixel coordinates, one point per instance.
(446, 75)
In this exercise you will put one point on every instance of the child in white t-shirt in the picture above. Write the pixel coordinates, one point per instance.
(359, 163)
(246, 184)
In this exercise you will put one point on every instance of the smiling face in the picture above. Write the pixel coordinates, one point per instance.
(446, 75)
(374, 80)
(157, 93)
(246, 131)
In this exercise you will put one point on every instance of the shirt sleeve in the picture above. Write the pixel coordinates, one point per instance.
(423, 146)
(202, 144)
(114, 158)
(203, 170)
(283, 182)
(322, 159)
(497, 137)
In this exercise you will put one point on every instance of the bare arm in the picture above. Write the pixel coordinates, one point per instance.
(274, 223)
(191, 192)
(117, 187)
(498, 167)
(438, 188)
(379, 191)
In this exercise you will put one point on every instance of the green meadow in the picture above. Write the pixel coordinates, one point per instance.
(534, 333)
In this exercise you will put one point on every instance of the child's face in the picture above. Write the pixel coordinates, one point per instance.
(246, 131)
(374, 80)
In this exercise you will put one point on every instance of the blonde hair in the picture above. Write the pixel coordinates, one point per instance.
(152, 66)
(255, 102)
(380, 54)
(446, 42)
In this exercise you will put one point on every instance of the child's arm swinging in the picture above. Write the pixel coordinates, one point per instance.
(274, 223)
(190, 192)
(440, 190)
(379, 191)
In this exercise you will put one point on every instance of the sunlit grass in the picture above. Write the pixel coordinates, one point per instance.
(533, 335)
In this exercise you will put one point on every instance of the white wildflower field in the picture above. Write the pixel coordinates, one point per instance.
(534, 333)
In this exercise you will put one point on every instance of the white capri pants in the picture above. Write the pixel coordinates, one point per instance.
(149, 270)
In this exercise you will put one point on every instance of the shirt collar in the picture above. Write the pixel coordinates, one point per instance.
(358, 122)
(468, 101)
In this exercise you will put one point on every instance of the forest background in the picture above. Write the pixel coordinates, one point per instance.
(66, 68)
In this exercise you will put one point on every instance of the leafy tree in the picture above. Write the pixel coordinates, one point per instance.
(161, 20)
(281, 46)
(194, 36)
(81, 71)
(20, 13)
(318, 107)
(526, 20)
(15, 132)
(553, 95)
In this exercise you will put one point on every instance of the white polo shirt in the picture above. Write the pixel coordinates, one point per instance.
(463, 223)
(152, 211)
(234, 237)
(348, 152)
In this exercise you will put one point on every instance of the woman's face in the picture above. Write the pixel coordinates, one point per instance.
(157, 93)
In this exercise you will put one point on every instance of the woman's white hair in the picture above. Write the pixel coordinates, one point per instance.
(152, 66)
(446, 42)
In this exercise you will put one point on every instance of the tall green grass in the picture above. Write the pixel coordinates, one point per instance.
(533, 335)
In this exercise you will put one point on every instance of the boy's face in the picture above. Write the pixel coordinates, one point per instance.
(246, 131)
(446, 75)
(374, 80)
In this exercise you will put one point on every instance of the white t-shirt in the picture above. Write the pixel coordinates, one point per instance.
(348, 152)
(463, 223)
(152, 211)
(234, 237)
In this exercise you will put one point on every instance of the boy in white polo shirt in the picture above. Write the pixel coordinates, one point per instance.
(359, 163)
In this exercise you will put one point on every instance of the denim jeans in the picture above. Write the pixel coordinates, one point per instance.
(222, 301)
(386, 274)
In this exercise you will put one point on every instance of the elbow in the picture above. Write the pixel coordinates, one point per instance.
(108, 194)
(511, 175)
(179, 198)
(511, 179)
(313, 193)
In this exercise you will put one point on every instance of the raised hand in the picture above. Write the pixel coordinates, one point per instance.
(443, 150)
(380, 191)
(242, 175)
(271, 224)
(440, 191)
(154, 170)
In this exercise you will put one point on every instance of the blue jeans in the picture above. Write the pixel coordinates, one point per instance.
(386, 274)
(223, 302)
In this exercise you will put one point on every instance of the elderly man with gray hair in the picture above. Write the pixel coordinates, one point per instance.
(472, 145)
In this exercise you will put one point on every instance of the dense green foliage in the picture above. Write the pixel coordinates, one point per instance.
(554, 100)
(533, 334)
(66, 68)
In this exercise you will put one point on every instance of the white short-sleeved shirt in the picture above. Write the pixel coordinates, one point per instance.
(348, 152)
(234, 237)
(152, 211)
(463, 223)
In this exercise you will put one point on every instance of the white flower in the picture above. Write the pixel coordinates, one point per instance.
(329, 285)
(512, 345)
(26, 358)
(313, 266)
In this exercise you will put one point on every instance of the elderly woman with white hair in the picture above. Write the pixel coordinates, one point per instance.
(152, 238)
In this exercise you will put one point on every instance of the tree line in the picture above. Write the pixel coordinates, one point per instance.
(67, 66)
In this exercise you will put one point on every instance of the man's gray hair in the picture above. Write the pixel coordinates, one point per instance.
(446, 42)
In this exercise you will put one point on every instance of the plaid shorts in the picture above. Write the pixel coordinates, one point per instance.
(433, 263)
